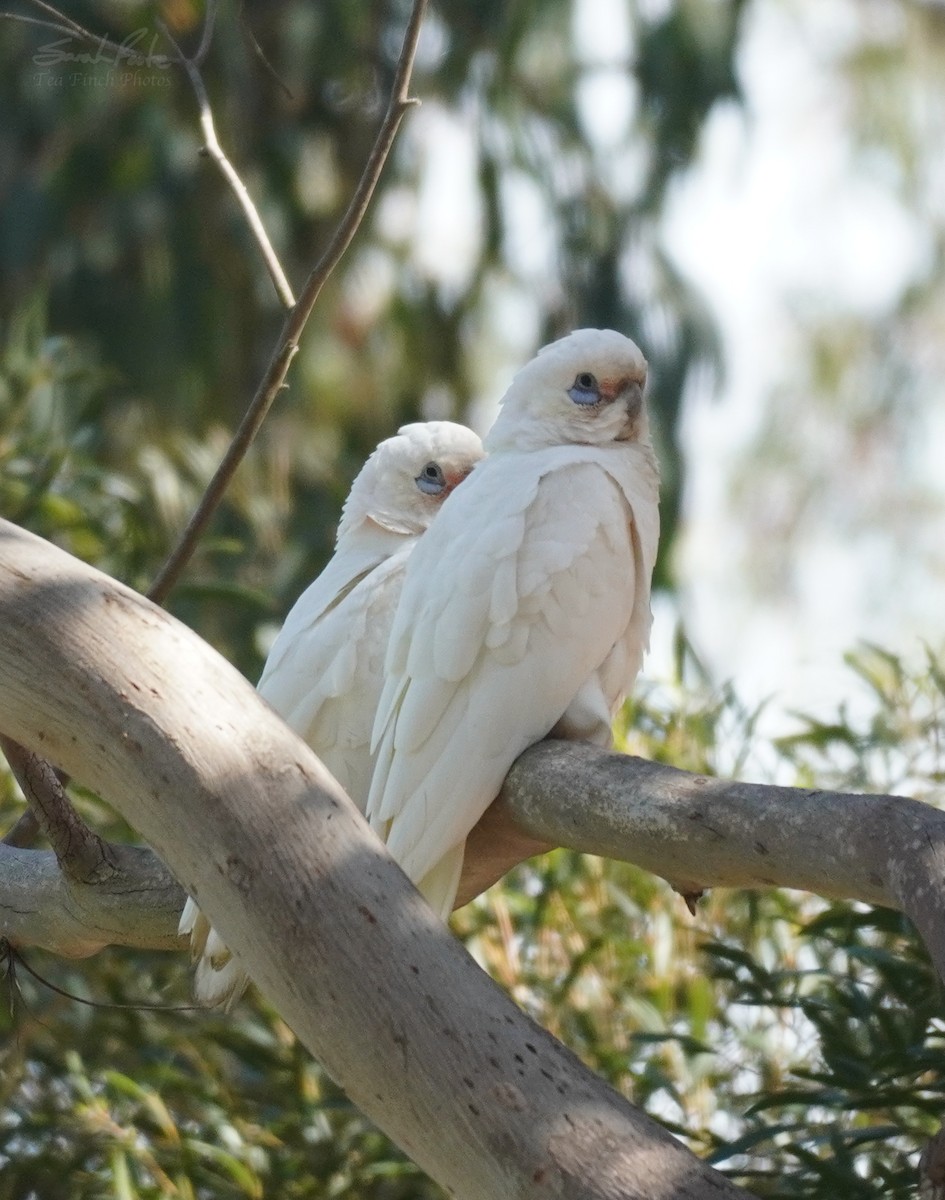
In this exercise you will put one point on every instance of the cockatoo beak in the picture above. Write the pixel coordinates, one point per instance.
(454, 477)
(628, 390)
(629, 393)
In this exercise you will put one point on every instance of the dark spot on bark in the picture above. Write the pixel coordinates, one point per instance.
(415, 969)
(762, 849)
(468, 1082)
(367, 914)
(519, 1059)
(530, 1048)
(548, 1075)
(472, 1108)
(239, 873)
(539, 1174)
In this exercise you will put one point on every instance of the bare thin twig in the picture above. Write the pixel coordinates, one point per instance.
(62, 23)
(74, 26)
(215, 151)
(287, 344)
(299, 311)
(259, 52)
(25, 20)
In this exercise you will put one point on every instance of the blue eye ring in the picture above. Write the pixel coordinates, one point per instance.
(585, 389)
(431, 481)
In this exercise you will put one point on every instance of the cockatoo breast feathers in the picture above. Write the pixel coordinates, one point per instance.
(586, 389)
(403, 484)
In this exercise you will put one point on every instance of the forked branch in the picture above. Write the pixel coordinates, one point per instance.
(137, 707)
(287, 343)
(215, 151)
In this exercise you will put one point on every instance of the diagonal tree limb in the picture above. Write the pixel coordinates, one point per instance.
(299, 311)
(695, 831)
(81, 850)
(140, 709)
(287, 343)
(698, 832)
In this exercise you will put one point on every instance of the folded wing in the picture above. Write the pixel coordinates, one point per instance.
(511, 603)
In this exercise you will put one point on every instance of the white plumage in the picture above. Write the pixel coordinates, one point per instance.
(325, 669)
(526, 608)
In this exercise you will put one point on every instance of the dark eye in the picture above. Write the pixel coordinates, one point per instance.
(430, 480)
(585, 389)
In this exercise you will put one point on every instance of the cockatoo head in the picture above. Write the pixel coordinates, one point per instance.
(402, 485)
(586, 388)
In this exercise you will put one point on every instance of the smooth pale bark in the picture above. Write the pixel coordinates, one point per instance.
(134, 705)
(692, 830)
(699, 832)
(137, 903)
(695, 831)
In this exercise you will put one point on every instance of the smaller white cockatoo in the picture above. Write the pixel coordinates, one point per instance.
(324, 672)
(525, 610)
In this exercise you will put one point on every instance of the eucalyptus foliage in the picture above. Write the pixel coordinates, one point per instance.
(796, 1043)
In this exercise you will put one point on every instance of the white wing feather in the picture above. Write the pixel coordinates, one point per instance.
(324, 673)
(542, 575)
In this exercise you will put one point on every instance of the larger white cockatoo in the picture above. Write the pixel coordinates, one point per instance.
(525, 611)
(324, 672)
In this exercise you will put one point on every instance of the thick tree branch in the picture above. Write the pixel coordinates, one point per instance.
(287, 344)
(133, 704)
(699, 832)
(139, 904)
(81, 853)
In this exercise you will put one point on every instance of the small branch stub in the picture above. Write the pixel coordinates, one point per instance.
(80, 852)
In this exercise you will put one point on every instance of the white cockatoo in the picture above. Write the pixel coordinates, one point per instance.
(525, 611)
(324, 672)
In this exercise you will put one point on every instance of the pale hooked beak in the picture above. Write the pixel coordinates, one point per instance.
(630, 393)
(455, 477)
(630, 390)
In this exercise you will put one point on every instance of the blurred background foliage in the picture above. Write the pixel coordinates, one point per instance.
(797, 1043)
